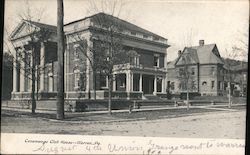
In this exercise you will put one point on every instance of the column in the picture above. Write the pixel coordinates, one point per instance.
(155, 85)
(22, 78)
(132, 82)
(107, 81)
(42, 66)
(14, 73)
(165, 60)
(163, 87)
(140, 83)
(128, 84)
(114, 82)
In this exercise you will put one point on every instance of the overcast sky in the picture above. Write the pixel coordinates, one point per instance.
(181, 22)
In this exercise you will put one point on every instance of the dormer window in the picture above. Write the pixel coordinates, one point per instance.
(156, 60)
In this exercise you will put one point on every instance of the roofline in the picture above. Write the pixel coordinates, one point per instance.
(116, 18)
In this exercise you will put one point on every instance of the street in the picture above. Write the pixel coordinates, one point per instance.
(225, 123)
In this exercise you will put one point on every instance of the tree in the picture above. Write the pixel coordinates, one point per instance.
(60, 54)
(29, 57)
(231, 55)
(185, 75)
(110, 42)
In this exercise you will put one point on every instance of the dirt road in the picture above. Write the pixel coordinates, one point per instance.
(221, 124)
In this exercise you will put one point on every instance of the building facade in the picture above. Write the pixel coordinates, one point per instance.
(206, 74)
(142, 71)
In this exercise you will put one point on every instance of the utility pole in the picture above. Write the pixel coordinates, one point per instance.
(60, 56)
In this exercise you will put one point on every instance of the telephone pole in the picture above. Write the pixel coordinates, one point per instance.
(60, 56)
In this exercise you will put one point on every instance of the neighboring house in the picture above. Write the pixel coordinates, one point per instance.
(206, 73)
(239, 76)
(144, 72)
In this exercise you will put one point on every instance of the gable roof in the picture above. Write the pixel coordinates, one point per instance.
(122, 23)
(206, 54)
(38, 25)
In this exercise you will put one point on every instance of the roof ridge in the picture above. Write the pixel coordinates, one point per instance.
(116, 18)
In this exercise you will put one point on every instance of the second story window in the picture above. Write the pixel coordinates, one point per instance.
(135, 60)
(76, 51)
(212, 70)
(156, 61)
(212, 85)
(193, 71)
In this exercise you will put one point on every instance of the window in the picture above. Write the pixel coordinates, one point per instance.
(172, 86)
(204, 83)
(212, 85)
(212, 70)
(219, 85)
(103, 81)
(77, 79)
(181, 71)
(244, 77)
(133, 33)
(145, 36)
(135, 60)
(156, 38)
(193, 85)
(76, 51)
(193, 71)
(156, 60)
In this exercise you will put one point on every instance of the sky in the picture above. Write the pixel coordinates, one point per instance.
(183, 23)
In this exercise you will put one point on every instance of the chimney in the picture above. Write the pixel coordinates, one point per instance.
(201, 42)
(179, 53)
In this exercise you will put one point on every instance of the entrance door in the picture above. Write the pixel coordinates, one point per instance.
(148, 84)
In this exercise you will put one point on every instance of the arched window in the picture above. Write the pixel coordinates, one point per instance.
(204, 83)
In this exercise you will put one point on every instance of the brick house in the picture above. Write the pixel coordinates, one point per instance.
(144, 72)
(205, 67)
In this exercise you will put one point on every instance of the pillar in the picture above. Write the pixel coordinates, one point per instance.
(22, 73)
(114, 82)
(42, 66)
(155, 85)
(132, 82)
(165, 60)
(140, 83)
(14, 73)
(163, 87)
(128, 81)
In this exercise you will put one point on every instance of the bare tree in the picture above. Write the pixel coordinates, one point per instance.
(231, 55)
(60, 55)
(110, 42)
(29, 57)
(185, 75)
